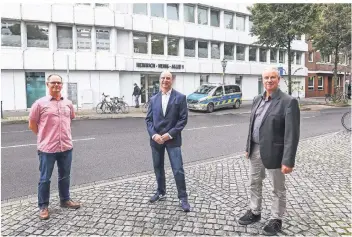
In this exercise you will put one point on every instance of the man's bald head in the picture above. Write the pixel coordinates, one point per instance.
(166, 81)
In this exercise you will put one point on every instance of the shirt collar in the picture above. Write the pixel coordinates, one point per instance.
(167, 93)
(272, 96)
(50, 98)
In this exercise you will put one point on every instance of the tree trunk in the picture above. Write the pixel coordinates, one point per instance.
(335, 67)
(289, 68)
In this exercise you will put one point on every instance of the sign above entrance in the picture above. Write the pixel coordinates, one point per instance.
(160, 66)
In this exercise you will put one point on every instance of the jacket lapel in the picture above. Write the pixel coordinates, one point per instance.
(171, 101)
(159, 105)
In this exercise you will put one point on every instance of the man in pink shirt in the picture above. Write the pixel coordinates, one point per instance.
(50, 119)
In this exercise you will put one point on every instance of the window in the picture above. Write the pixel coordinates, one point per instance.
(102, 4)
(292, 57)
(172, 46)
(204, 79)
(342, 58)
(140, 43)
(262, 55)
(229, 51)
(325, 58)
(250, 23)
(202, 16)
(228, 20)
(238, 82)
(64, 37)
(311, 83)
(311, 57)
(202, 49)
(172, 11)
(240, 22)
(219, 91)
(84, 38)
(215, 50)
(188, 11)
(229, 90)
(82, 4)
(320, 83)
(103, 39)
(240, 52)
(214, 18)
(281, 56)
(157, 9)
(158, 44)
(10, 33)
(140, 8)
(35, 87)
(273, 55)
(37, 35)
(252, 54)
(298, 58)
(190, 48)
(298, 37)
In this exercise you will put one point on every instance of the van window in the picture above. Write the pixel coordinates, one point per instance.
(218, 91)
(237, 89)
(230, 89)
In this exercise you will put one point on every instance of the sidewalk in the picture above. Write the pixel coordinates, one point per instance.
(318, 200)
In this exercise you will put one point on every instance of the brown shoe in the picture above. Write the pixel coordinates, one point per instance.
(44, 214)
(70, 204)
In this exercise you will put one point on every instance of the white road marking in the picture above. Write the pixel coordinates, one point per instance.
(219, 126)
(17, 131)
(309, 117)
(25, 145)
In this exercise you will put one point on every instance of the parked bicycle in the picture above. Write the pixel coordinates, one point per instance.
(106, 106)
(339, 96)
(346, 120)
(121, 103)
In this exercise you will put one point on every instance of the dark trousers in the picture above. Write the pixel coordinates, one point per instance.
(175, 157)
(46, 166)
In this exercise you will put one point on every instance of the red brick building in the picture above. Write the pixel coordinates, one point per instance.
(320, 73)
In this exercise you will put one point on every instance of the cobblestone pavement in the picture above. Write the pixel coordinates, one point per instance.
(318, 200)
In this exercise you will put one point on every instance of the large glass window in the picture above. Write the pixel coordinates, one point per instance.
(35, 87)
(172, 11)
(215, 50)
(240, 52)
(172, 46)
(240, 21)
(229, 51)
(281, 56)
(84, 39)
(103, 38)
(202, 16)
(273, 55)
(64, 37)
(37, 35)
(157, 9)
(202, 49)
(214, 18)
(10, 33)
(228, 20)
(140, 43)
(262, 55)
(190, 48)
(140, 8)
(252, 54)
(158, 44)
(188, 11)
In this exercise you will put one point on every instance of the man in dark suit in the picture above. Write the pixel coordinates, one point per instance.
(272, 143)
(166, 118)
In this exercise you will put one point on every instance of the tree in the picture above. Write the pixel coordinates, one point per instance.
(332, 34)
(276, 25)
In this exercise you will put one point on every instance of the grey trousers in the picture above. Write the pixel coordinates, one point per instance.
(136, 100)
(277, 178)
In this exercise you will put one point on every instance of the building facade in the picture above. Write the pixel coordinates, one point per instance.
(106, 48)
(319, 81)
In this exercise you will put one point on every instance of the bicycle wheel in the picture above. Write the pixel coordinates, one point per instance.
(125, 108)
(346, 121)
(101, 108)
(145, 107)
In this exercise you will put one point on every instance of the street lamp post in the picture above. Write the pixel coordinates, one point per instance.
(223, 64)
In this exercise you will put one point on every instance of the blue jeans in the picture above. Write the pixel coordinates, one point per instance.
(177, 169)
(46, 166)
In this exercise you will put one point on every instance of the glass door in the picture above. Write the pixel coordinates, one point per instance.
(35, 87)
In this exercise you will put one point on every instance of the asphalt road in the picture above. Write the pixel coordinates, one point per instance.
(111, 148)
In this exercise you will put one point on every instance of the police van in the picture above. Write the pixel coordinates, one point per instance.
(209, 97)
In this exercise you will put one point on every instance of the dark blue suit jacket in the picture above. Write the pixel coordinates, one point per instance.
(173, 122)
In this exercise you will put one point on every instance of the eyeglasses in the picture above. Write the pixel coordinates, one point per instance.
(165, 78)
(55, 83)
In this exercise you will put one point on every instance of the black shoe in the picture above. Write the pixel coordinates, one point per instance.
(249, 218)
(157, 197)
(185, 205)
(273, 227)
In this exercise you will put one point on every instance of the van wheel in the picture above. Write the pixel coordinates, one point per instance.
(237, 104)
(210, 107)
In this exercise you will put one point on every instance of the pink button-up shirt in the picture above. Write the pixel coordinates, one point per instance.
(54, 124)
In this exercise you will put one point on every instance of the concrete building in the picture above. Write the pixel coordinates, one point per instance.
(106, 48)
(320, 73)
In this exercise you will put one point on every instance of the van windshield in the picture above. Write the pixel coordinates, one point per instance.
(204, 89)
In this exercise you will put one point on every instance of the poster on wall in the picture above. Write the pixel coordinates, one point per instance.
(35, 87)
(72, 92)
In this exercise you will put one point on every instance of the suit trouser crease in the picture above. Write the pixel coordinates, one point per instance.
(175, 157)
(277, 178)
(46, 167)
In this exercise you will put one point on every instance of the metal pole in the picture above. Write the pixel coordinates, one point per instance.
(68, 68)
(2, 116)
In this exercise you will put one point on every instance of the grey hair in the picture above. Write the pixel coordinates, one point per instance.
(272, 69)
(51, 75)
(165, 71)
